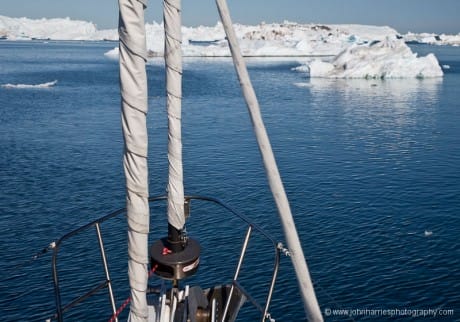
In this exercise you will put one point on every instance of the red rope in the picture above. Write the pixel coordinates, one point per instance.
(120, 309)
(128, 300)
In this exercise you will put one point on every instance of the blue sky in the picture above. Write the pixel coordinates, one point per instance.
(403, 15)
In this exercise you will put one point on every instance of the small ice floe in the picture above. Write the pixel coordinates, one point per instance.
(113, 53)
(302, 84)
(44, 85)
(445, 66)
(428, 233)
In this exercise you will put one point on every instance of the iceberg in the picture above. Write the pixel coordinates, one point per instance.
(389, 58)
(52, 29)
(432, 39)
(286, 39)
(113, 53)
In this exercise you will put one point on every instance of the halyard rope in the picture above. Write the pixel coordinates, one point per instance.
(128, 300)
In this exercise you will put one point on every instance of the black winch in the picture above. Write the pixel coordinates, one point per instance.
(176, 256)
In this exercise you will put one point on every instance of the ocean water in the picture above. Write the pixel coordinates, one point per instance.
(371, 167)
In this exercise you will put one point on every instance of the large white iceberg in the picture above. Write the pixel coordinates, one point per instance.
(267, 40)
(54, 29)
(275, 39)
(389, 58)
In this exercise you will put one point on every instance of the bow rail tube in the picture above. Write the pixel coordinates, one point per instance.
(222, 301)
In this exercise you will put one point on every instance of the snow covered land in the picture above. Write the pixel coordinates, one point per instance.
(360, 51)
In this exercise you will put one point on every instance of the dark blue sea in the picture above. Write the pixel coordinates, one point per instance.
(371, 168)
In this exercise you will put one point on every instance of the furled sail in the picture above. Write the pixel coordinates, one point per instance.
(173, 62)
(133, 86)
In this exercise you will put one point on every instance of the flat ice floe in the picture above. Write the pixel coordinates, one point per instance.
(44, 85)
(388, 58)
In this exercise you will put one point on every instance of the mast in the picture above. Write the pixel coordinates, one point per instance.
(133, 87)
(276, 185)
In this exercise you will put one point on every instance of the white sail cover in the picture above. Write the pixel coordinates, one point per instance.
(133, 86)
(173, 62)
